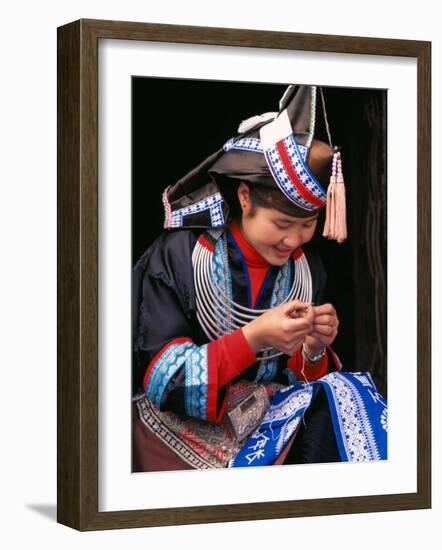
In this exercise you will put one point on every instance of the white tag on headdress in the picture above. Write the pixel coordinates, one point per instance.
(249, 123)
(276, 130)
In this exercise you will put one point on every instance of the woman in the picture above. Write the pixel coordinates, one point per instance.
(228, 314)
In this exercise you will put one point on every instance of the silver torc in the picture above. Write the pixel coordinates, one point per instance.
(217, 313)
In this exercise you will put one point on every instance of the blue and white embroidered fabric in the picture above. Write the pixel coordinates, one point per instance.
(223, 281)
(164, 369)
(279, 423)
(254, 144)
(194, 360)
(195, 391)
(359, 415)
(213, 203)
(268, 367)
(244, 144)
(296, 155)
(282, 284)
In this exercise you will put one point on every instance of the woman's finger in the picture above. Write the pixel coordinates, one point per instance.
(326, 320)
(324, 308)
(295, 308)
(297, 325)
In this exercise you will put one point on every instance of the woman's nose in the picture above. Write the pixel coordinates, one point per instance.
(292, 241)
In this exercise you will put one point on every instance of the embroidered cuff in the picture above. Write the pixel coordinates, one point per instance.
(163, 357)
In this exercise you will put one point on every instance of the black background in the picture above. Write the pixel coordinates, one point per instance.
(178, 123)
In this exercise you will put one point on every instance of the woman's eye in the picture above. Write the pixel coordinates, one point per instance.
(280, 226)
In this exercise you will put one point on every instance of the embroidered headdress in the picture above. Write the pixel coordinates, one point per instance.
(275, 150)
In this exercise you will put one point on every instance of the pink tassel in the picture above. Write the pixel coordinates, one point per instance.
(335, 215)
(341, 218)
(329, 205)
(341, 215)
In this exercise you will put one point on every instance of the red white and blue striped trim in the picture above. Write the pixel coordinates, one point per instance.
(292, 175)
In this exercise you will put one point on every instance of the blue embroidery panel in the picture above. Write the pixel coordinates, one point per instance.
(164, 369)
(213, 203)
(254, 144)
(244, 267)
(223, 280)
(279, 423)
(195, 400)
(244, 144)
(194, 361)
(359, 415)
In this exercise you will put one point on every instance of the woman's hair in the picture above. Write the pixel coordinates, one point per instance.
(274, 198)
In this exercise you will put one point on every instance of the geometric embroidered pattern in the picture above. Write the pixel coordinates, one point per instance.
(287, 406)
(152, 421)
(195, 392)
(223, 278)
(164, 368)
(358, 412)
(212, 203)
(254, 144)
(286, 161)
(280, 422)
(356, 430)
(282, 284)
(268, 368)
(244, 144)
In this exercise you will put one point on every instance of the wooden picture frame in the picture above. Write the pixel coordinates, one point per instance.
(77, 386)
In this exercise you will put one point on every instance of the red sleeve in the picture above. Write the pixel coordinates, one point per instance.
(234, 355)
(228, 356)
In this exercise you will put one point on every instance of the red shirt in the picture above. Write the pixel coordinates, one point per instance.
(257, 266)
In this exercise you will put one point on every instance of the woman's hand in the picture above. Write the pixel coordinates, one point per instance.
(324, 329)
(283, 327)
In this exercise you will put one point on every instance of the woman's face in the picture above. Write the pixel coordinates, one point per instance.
(273, 234)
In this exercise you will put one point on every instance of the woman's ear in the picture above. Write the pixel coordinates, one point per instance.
(244, 198)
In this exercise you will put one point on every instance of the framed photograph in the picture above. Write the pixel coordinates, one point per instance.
(177, 147)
